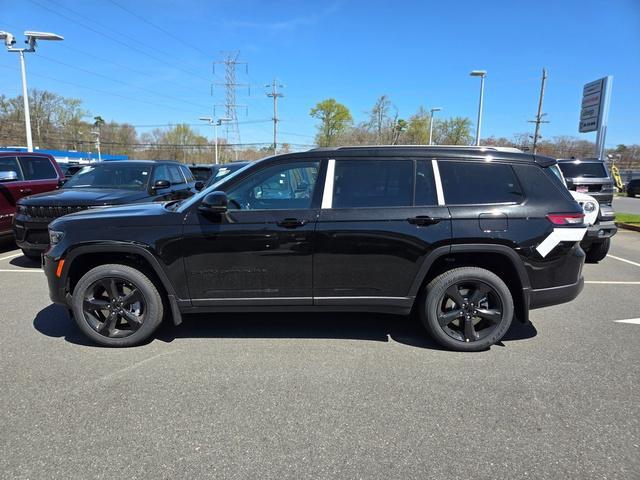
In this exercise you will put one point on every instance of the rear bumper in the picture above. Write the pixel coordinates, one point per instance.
(545, 297)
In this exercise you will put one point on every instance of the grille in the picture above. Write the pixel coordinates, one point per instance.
(52, 212)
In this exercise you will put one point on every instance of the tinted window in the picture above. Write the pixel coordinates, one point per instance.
(37, 168)
(134, 177)
(474, 182)
(583, 169)
(425, 186)
(372, 183)
(10, 164)
(280, 187)
(161, 173)
(175, 177)
(201, 173)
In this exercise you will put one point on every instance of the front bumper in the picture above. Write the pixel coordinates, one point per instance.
(599, 231)
(30, 234)
(545, 297)
(57, 290)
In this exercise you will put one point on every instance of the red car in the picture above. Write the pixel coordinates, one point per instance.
(23, 174)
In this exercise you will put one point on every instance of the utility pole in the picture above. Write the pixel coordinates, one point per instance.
(539, 116)
(275, 95)
(230, 62)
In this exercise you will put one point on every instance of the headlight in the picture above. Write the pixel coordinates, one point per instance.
(55, 237)
(589, 207)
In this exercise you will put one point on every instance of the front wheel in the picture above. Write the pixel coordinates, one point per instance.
(597, 251)
(117, 306)
(467, 309)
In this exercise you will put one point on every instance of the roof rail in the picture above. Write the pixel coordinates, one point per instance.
(482, 148)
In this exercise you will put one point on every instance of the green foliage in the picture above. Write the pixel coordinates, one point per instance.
(334, 120)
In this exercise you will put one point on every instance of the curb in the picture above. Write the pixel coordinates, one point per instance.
(628, 226)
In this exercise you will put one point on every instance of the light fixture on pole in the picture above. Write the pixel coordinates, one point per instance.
(433, 110)
(481, 74)
(216, 124)
(31, 41)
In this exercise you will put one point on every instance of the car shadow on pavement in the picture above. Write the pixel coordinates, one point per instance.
(25, 262)
(54, 321)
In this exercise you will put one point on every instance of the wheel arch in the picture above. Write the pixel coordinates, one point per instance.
(81, 259)
(500, 259)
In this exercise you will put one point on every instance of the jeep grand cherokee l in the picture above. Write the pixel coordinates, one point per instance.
(97, 185)
(468, 237)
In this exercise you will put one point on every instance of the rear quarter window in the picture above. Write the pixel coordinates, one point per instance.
(468, 182)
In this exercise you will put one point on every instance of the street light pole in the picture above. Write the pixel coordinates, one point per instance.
(215, 124)
(481, 74)
(433, 110)
(32, 39)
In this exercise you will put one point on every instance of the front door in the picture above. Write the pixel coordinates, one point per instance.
(260, 251)
(380, 218)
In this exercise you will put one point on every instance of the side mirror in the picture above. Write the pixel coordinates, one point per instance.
(160, 184)
(9, 176)
(199, 185)
(215, 202)
(62, 181)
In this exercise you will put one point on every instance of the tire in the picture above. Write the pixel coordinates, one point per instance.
(474, 332)
(597, 251)
(126, 311)
(34, 255)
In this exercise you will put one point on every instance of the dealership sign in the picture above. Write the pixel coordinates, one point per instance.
(594, 104)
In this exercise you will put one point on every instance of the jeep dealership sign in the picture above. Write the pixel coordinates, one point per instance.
(594, 104)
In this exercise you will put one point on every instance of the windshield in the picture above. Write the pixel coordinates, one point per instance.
(130, 177)
(201, 174)
(213, 187)
(583, 169)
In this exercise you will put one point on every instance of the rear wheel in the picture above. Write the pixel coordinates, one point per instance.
(31, 254)
(467, 309)
(117, 306)
(597, 251)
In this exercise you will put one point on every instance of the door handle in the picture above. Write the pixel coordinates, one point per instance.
(291, 223)
(423, 220)
(26, 191)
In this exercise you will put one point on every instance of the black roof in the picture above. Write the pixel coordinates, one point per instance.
(137, 162)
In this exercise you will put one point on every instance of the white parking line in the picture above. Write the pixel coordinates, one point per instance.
(624, 260)
(34, 270)
(635, 321)
(11, 256)
(612, 282)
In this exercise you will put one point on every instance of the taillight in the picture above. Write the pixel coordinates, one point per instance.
(566, 218)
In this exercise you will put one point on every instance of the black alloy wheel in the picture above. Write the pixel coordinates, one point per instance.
(469, 311)
(467, 308)
(114, 307)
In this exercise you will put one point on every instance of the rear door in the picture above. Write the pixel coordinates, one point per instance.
(179, 185)
(10, 192)
(40, 174)
(379, 220)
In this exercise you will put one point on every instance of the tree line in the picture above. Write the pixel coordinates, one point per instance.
(383, 125)
(64, 124)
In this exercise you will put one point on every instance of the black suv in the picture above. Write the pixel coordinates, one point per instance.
(98, 185)
(468, 237)
(633, 188)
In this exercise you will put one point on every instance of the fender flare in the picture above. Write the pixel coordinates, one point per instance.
(141, 250)
(508, 252)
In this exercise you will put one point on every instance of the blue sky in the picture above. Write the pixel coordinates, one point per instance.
(418, 53)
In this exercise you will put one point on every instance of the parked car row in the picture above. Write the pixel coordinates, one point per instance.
(35, 189)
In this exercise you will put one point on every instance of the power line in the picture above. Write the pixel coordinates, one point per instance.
(159, 28)
(113, 38)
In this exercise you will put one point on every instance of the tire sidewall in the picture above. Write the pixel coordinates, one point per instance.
(436, 289)
(153, 314)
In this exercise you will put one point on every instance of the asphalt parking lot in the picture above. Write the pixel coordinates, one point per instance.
(324, 396)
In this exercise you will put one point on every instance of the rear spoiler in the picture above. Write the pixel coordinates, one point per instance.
(544, 161)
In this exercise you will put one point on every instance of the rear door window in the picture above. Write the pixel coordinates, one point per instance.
(372, 183)
(467, 183)
(187, 174)
(10, 164)
(37, 168)
(175, 177)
